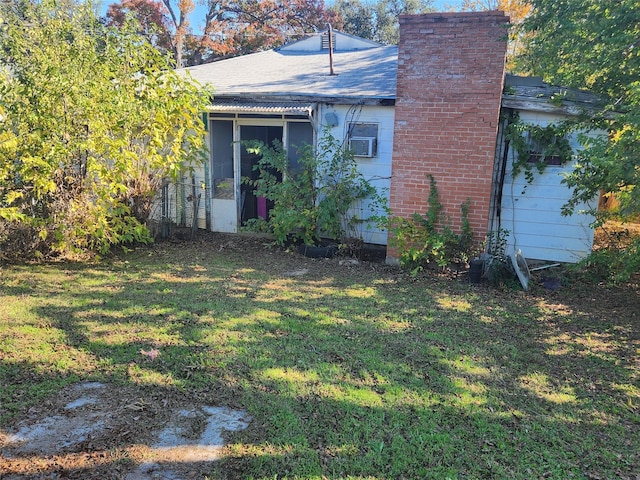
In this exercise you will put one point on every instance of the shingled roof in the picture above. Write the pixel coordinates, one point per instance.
(364, 70)
(365, 73)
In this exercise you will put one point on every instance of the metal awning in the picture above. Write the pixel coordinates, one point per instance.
(263, 108)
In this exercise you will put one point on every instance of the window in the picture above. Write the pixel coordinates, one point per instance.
(299, 135)
(222, 177)
(546, 146)
(363, 139)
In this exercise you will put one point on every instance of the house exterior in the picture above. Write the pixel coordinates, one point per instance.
(531, 212)
(431, 106)
(452, 106)
(291, 95)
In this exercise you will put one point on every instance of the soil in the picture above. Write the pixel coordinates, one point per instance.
(96, 431)
(93, 430)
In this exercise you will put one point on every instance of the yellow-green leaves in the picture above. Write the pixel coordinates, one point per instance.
(92, 119)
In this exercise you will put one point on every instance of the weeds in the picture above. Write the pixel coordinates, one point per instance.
(429, 238)
(347, 371)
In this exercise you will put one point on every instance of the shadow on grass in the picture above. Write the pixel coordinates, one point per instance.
(349, 372)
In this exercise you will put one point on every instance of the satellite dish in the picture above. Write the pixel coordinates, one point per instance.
(522, 269)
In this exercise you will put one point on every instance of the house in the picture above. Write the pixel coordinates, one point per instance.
(531, 212)
(433, 105)
(291, 94)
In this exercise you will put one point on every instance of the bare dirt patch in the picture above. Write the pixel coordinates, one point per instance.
(95, 430)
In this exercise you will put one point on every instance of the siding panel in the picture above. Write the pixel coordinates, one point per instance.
(532, 212)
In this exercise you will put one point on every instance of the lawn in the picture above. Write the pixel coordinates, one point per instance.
(348, 370)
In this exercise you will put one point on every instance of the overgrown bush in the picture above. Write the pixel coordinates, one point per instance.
(93, 120)
(315, 198)
(426, 239)
(618, 259)
(19, 241)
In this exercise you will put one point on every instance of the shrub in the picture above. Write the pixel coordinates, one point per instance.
(498, 266)
(313, 200)
(425, 239)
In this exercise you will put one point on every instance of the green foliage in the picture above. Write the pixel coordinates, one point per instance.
(377, 21)
(315, 199)
(613, 265)
(423, 239)
(539, 142)
(102, 121)
(593, 44)
(617, 261)
(498, 266)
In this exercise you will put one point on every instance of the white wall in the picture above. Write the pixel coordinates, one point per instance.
(376, 170)
(531, 212)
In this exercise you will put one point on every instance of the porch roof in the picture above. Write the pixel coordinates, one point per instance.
(275, 108)
(533, 94)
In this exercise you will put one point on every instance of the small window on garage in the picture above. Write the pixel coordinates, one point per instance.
(548, 147)
(363, 139)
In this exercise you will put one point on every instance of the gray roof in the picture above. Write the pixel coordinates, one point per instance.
(359, 74)
(365, 72)
(532, 93)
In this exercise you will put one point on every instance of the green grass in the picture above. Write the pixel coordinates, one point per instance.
(347, 372)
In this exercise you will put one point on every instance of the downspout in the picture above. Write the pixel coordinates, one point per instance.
(496, 221)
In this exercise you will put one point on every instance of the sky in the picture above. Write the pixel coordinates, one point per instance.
(197, 16)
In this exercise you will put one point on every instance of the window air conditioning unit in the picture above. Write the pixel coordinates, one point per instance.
(362, 146)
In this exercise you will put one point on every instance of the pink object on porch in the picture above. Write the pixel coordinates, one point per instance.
(262, 208)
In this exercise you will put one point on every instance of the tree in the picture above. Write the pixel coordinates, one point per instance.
(376, 21)
(102, 121)
(179, 17)
(516, 9)
(594, 45)
(151, 15)
(387, 13)
(355, 18)
(229, 27)
(239, 27)
(164, 23)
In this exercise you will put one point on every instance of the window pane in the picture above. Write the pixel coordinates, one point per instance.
(364, 130)
(300, 134)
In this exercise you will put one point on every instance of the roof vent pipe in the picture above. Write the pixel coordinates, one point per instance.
(330, 32)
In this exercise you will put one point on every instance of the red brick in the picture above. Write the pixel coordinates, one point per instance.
(450, 79)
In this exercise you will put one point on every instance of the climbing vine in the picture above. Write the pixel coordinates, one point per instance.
(428, 238)
(537, 146)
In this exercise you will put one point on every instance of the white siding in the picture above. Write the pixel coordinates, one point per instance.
(343, 42)
(376, 170)
(532, 212)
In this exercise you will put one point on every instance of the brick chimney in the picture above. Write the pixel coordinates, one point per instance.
(450, 79)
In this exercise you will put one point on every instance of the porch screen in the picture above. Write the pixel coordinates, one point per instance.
(299, 135)
(222, 159)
